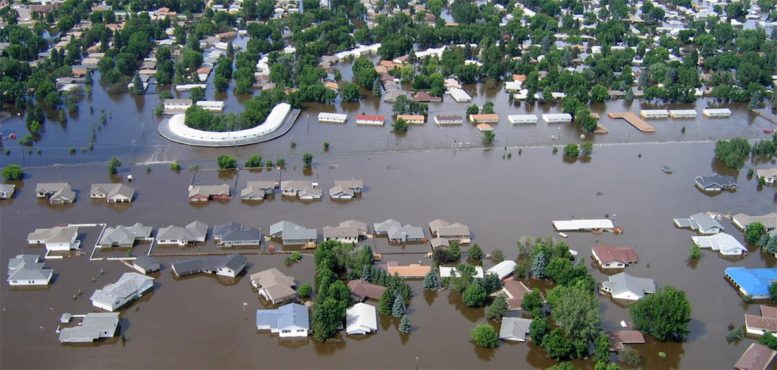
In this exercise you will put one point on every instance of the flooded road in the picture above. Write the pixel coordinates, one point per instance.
(203, 322)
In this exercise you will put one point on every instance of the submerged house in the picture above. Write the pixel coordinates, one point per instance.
(514, 329)
(291, 320)
(411, 271)
(715, 183)
(27, 270)
(145, 265)
(361, 319)
(94, 326)
(130, 286)
(768, 174)
(227, 266)
(350, 231)
(514, 290)
(7, 190)
(700, 222)
(742, 220)
(193, 232)
(723, 243)
(302, 189)
(204, 193)
(59, 238)
(502, 269)
(112, 193)
(752, 282)
(346, 189)
(123, 236)
(234, 234)
(362, 290)
(274, 285)
(292, 234)
(257, 190)
(761, 324)
(756, 357)
(56, 192)
(398, 233)
(444, 229)
(627, 287)
(609, 257)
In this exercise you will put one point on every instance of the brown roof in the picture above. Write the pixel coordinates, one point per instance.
(761, 323)
(365, 290)
(413, 270)
(387, 64)
(423, 96)
(768, 311)
(519, 78)
(488, 117)
(515, 291)
(411, 117)
(607, 254)
(620, 337)
(756, 357)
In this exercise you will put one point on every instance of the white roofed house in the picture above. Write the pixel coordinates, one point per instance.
(27, 270)
(60, 238)
(93, 327)
(123, 236)
(397, 233)
(130, 286)
(626, 287)
(514, 329)
(361, 319)
(7, 190)
(194, 232)
(112, 193)
(346, 189)
(291, 320)
(342, 234)
(768, 174)
(228, 266)
(723, 243)
(700, 222)
(502, 269)
(305, 190)
(257, 190)
(56, 192)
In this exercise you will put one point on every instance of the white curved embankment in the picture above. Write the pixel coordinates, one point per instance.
(274, 120)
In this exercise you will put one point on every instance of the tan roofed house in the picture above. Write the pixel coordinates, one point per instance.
(413, 119)
(412, 271)
(766, 322)
(484, 118)
(362, 290)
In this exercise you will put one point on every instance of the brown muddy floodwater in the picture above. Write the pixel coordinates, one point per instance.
(202, 322)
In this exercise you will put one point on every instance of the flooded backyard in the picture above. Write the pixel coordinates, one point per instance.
(205, 322)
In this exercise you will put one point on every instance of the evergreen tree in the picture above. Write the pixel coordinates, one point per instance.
(475, 253)
(431, 281)
(538, 265)
(385, 303)
(366, 275)
(376, 89)
(398, 310)
(497, 309)
(137, 85)
(404, 325)
(491, 283)
(230, 49)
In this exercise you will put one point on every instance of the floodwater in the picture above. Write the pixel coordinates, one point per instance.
(204, 322)
(131, 131)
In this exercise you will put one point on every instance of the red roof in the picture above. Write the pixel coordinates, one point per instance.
(620, 337)
(516, 290)
(364, 117)
(423, 96)
(757, 356)
(362, 289)
(606, 254)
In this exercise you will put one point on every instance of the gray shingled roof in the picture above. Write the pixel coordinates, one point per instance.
(195, 230)
(290, 315)
(624, 282)
(93, 327)
(124, 235)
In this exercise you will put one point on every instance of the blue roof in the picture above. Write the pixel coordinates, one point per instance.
(283, 317)
(753, 282)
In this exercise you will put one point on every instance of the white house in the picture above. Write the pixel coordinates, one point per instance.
(60, 238)
(27, 270)
(557, 117)
(768, 174)
(211, 105)
(332, 117)
(723, 243)
(177, 104)
(503, 269)
(291, 320)
(452, 271)
(654, 113)
(717, 113)
(361, 319)
(522, 118)
(130, 286)
(626, 287)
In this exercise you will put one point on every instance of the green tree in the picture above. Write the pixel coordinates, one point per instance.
(307, 158)
(602, 348)
(488, 137)
(431, 281)
(497, 256)
(253, 161)
(485, 336)
(137, 85)
(474, 296)
(694, 252)
(376, 89)
(557, 345)
(538, 329)
(349, 92)
(664, 314)
(571, 151)
(404, 325)
(473, 109)
(773, 291)
(769, 340)
(305, 291)
(226, 162)
(399, 126)
(599, 94)
(754, 232)
(498, 308)
(732, 153)
(475, 253)
(539, 261)
(488, 107)
(386, 302)
(197, 94)
(576, 312)
(561, 366)
(398, 309)
(13, 172)
(113, 165)
(454, 250)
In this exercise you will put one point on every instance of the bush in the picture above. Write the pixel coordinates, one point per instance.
(281, 163)
(571, 151)
(497, 309)
(399, 126)
(13, 172)
(293, 258)
(226, 162)
(630, 357)
(307, 158)
(474, 296)
(175, 166)
(695, 252)
(485, 336)
(304, 291)
(488, 137)
(475, 253)
(732, 153)
(497, 256)
(253, 161)
(113, 165)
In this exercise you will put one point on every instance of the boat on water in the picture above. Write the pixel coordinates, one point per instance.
(563, 235)
(666, 169)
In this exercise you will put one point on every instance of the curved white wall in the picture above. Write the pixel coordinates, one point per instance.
(273, 121)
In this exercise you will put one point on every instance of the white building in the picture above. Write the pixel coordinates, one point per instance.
(60, 238)
(522, 118)
(448, 119)
(654, 113)
(374, 120)
(459, 95)
(130, 286)
(27, 270)
(452, 271)
(682, 113)
(557, 117)
(361, 319)
(177, 104)
(717, 113)
(723, 243)
(502, 269)
(332, 117)
(211, 105)
(187, 87)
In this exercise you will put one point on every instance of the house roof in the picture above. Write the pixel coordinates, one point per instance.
(56, 189)
(449, 271)
(769, 220)
(607, 254)
(338, 192)
(620, 337)
(716, 181)
(209, 190)
(423, 96)
(383, 227)
(574, 225)
(443, 229)
(278, 292)
(756, 357)
(363, 289)
(195, 230)
(20, 260)
(766, 172)
(286, 316)
(7, 188)
(721, 242)
(514, 328)
(515, 290)
(440, 243)
(412, 270)
(271, 277)
(234, 232)
(503, 269)
(57, 234)
(256, 187)
(703, 221)
(340, 232)
(129, 284)
(350, 184)
(146, 263)
(361, 318)
(234, 262)
(623, 282)
(754, 281)
(291, 231)
(364, 117)
(124, 235)
(91, 328)
(113, 189)
(25, 267)
(361, 226)
(406, 231)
